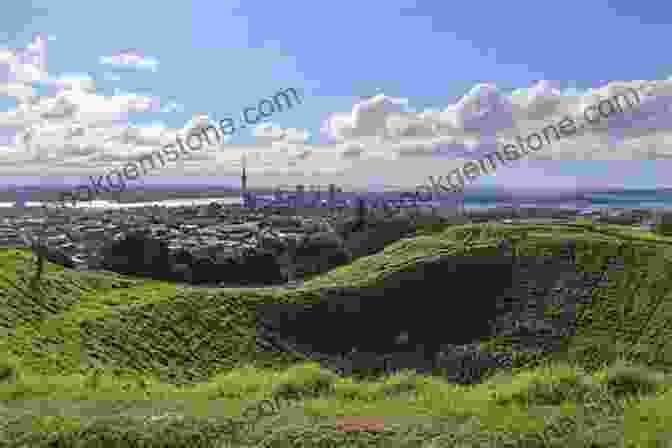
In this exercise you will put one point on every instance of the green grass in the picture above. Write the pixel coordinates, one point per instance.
(106, 357)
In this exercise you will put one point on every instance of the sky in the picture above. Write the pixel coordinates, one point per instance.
(391, 92)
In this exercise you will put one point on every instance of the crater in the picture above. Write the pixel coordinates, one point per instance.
(441, 303)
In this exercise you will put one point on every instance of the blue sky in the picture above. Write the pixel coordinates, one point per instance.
(217, 57)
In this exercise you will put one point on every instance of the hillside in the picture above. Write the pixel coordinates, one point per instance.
(595, 303)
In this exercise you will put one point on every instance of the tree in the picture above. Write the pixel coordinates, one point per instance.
(664, 226)
(321, 252)
(361, 214)
(377, 235)
(183, 256)
(204, 270)
(140, 254)
(261, 267)
(39, 249)
(43, 253)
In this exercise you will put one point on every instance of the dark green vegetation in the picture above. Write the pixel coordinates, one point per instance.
(665, 227)
(91, 358)
(141, 254)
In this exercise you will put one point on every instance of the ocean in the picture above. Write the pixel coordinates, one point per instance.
(628, 199)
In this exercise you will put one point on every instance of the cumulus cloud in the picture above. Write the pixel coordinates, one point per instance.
(268, 132)
(352, 150)
(271, 132)
(25, 65)
(485, 118)
(131, 57)
(541, 100)
(203, 125)
(368, 117)
(22, 92)
(483, 110)
(72, 125)
(19, 68)
(74, 129)
(71, 82)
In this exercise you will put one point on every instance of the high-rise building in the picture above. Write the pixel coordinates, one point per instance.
(332, 196)
(278, 194)
(315, 200)
(299, 195)
(246, 197)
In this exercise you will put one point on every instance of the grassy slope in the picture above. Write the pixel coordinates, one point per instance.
(107, 337)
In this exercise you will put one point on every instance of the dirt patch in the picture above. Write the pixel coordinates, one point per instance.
(360, 424)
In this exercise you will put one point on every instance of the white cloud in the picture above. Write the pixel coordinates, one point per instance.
(368, 117)
(198, 124)
(352, 150)
(271, 132)
(75, 130)
(75, 81)
(484, 118)
(268, 132)
(293, 135)
(130, 57)
(22, 92)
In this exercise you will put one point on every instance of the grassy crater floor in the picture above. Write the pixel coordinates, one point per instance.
(99, 359)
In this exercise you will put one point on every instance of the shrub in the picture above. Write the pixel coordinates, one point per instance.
(545, 386)
(305, 380)
(664, 226)
(664, 229)
(8, 372)
(321, 252)
(400, 383)
(623, 378)
(377, 235)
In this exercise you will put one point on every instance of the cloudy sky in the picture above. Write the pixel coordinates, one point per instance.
(392, 92)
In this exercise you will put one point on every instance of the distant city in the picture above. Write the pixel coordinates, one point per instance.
(332, 196)
(220, 222)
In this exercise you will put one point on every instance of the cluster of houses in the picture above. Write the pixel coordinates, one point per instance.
(215, 231)
(224, 231)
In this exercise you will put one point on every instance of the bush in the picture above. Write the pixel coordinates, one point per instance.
(379, 234)
(544, 386)
(305, 380)
(624, 379)
(321, 252)
(261, 267)
(664, 229)
(8, 372)
(664, 226)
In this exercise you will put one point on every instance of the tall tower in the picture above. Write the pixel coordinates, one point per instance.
(243, 183)
(300, 189)
(332, 194)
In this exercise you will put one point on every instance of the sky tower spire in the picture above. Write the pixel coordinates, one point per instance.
(243, 180)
